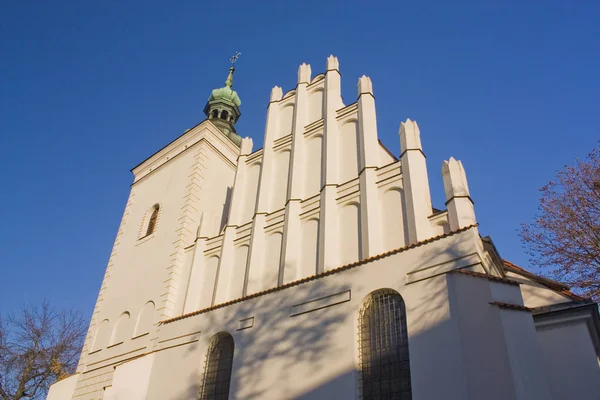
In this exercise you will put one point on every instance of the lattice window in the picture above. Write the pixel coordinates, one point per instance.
(383, 344)
(152, 220)
(217, 370)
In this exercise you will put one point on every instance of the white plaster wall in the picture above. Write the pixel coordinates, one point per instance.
(151, 257)
(63, 390)
(272, 260)
(214, 200)
(487, 372)
(95, 382)
(122, 330)
(312, 172)
(310, 242)
(526, 362)
(535, 294)
(286, 118)
(146, 319)
(392, 219)
(315, 108)
(314, 355)
(101, 336)
(250, 192)
(266, 274)
(132, 379)
(177, 184)
(500, 348)
(176, 374)
(349, 233)
(348, 154)
(510, 294)
(208, 282)
(570, 360)
(236, 287)
(280, 180)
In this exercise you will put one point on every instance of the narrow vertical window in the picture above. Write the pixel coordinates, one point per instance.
(383, 342)
(152, 220)
(217, 370)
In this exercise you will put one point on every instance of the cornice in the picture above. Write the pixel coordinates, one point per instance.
(319, 276)
(184, 143)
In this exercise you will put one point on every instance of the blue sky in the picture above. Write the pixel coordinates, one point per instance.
(90, 89)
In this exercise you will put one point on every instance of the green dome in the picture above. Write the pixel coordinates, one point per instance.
(225, 93)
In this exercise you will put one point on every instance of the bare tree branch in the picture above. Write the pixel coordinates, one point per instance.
(37, 347)
(565, 236)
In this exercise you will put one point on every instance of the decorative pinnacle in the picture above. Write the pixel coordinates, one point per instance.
(365, 85)
(233, 59)
(410, 136)
(455, 179)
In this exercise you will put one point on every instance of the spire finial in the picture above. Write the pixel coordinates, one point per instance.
(233, 59)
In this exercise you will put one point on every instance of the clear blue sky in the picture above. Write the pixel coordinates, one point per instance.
(90, 89)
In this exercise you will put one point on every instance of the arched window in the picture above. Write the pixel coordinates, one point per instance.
(217, 370)
(152, 220)
(224, 115)
(383, 342)
(215, 114)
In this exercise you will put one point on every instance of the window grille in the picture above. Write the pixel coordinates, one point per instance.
(383, 348)
(217, 370)
(152, 221)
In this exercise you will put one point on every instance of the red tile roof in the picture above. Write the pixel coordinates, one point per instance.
(510, 306)
(549, 283)
(321, 275)
(486, 276)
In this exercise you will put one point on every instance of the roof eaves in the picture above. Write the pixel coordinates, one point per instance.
(560, 288)
(318, 276)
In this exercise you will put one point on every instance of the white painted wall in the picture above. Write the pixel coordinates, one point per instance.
(349, 233)
(348, 155)
(536, 294)
(312, 173)
(570, 360)
(149, 269)
(310, 243)
(132, 379)
(280, 180)
(319, 346)
(63, 390)
(251, 190)
(286, 118)
(146, 319)
(392, 220)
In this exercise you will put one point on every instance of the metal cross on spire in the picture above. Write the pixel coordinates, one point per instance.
(235, 57)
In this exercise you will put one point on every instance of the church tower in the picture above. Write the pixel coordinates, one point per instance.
(222, 108)
(179, 193)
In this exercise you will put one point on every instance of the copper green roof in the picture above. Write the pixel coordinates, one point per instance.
(226, 93)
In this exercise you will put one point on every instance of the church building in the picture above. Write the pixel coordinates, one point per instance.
(317, 268)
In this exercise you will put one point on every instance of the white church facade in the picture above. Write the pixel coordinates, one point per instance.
(317, 268)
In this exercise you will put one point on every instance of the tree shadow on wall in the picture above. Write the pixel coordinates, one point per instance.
(277, 340)
(274, 356)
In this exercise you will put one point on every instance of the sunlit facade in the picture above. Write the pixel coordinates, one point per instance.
(317, 268)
